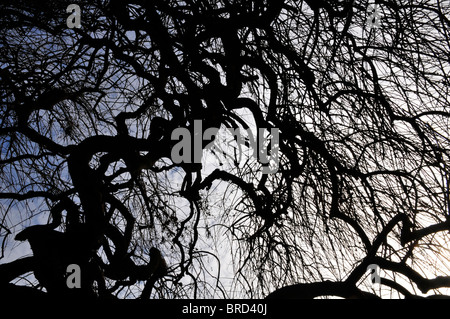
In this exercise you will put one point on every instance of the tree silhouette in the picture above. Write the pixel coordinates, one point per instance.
(362, 178)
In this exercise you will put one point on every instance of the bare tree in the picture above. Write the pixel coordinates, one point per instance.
(357, 92)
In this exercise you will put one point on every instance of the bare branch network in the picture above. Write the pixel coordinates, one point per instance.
(346, 103)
